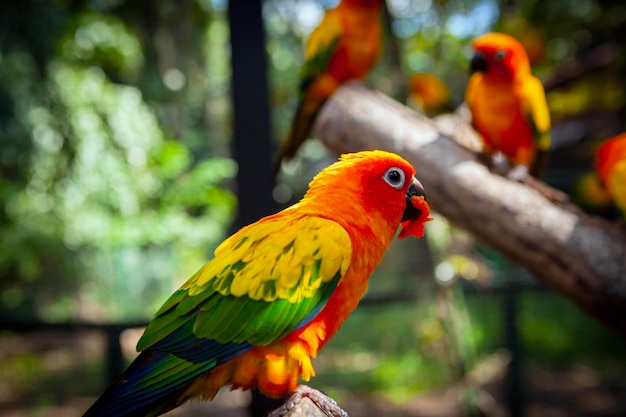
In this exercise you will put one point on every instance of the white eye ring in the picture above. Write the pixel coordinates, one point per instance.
(394, 177)
(499, 55)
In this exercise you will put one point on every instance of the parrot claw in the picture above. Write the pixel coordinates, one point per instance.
(321, 400)
(518, 173)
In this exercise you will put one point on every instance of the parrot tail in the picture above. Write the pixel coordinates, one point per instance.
(152, 385)
(301, 126)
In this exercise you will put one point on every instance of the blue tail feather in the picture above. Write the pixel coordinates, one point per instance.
(155, 381)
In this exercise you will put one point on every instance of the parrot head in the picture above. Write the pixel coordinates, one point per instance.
(371, 189)
(499, 56)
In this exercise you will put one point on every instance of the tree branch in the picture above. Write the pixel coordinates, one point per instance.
(580, 256)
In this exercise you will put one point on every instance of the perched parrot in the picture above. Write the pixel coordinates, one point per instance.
(275, 292)
(610, 164)
(345, 46)
(429, 93)
(508, 104)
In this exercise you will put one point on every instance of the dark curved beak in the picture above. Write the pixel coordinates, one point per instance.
(478, 63)
(415, 189)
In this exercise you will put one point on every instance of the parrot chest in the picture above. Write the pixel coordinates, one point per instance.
(498, 116)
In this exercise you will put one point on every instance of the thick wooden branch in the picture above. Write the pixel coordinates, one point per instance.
(306, 408)
(580, 256)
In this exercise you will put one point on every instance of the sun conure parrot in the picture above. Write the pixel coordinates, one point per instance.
(603, 190)
(610, 166)
(344, 46)
(275, 292)
(508, 104)
(429, 93)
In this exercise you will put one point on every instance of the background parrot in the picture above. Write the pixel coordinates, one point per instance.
(610, 164)
(276, 291)
(508, 104)
(429, 93)
(344, 46)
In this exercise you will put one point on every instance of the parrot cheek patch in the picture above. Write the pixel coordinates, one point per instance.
(415, 226)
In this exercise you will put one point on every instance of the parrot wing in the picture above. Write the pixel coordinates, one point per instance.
(267, 280)
(321, 47)
(535, 107)
(263, 282)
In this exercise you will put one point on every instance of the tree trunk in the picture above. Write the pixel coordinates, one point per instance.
(582, 257)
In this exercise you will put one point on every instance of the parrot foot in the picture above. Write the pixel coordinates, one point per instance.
(485, 159)
(518, 173)
(495, 162)
(326, 404)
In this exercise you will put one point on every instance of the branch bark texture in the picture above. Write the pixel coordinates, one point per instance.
(582, 257)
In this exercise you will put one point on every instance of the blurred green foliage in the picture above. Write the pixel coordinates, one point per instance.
(108, 186)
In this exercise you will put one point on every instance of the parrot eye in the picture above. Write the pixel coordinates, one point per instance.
(394, 177)
(499, 55)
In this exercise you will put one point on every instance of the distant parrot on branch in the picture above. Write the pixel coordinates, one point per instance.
(603, 190)
(609, 180)
(275, 292)
(508, 104)
(344, 46)
(429, 93)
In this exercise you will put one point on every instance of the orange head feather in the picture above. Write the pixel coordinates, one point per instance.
(499, 56)
(371, 191)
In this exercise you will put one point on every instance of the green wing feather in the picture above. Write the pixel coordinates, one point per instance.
(320, 48)
(263, 282)
(317, 64)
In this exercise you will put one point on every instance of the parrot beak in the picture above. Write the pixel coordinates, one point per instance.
(415, 189)
(416, 212)
(478, 63)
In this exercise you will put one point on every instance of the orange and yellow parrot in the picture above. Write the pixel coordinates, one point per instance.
(429, 93)
(275, 292)
(344, 46)
(508, 104)
(610, 164)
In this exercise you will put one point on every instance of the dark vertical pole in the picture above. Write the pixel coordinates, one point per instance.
(115, 358)
(252, 146)
(514, 389)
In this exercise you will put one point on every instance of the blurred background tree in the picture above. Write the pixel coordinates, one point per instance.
(113, 168)
(116, 175)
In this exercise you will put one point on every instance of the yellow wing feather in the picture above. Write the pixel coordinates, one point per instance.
(278, 258)
(534, 104)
